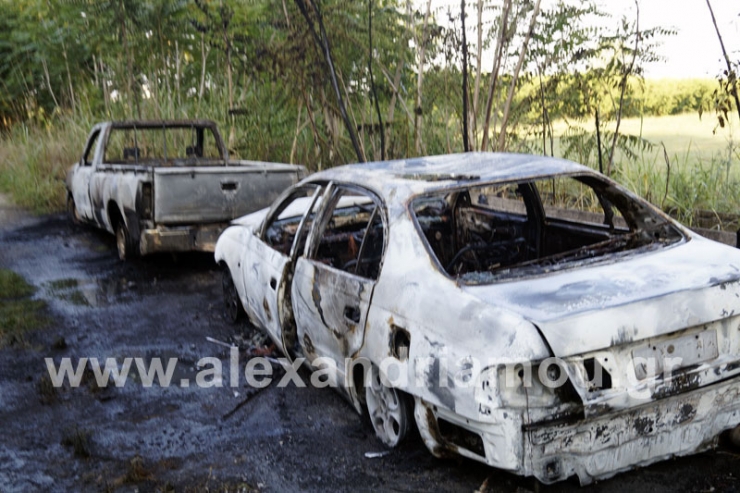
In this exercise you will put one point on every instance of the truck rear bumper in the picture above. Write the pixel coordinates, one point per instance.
(180, 238)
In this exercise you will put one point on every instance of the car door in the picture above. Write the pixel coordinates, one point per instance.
(269, 255)
(82, 177)
(333, 284)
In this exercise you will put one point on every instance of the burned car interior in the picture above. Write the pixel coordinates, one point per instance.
(484, 232)
(350, 236)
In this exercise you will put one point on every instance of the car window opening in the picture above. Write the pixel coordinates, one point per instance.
(482, 233)
(352, 236)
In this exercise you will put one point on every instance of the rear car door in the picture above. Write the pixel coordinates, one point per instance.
(333, 284)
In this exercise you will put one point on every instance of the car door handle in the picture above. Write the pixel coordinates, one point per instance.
(273, 282)
(352, 313)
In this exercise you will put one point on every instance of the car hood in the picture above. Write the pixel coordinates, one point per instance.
(625, 300)
(252, 220)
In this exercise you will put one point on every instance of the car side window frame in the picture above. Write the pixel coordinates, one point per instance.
(330, 201)
(288, 197)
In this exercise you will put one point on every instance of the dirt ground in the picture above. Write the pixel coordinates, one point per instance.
(194, 439)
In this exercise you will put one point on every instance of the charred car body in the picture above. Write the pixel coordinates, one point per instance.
(167, 185)
(522, 311)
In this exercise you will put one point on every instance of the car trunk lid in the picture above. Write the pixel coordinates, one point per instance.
(628, 300)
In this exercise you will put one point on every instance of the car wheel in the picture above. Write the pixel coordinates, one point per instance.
(232, 304)
(72, 213)
(389, 410)
(735, 437)
(124, 245)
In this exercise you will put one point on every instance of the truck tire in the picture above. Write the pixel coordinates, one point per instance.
(124, 244)
(72, 213)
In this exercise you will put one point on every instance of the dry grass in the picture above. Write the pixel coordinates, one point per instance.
(34, 160)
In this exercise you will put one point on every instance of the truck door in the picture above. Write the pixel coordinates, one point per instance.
(83, 176)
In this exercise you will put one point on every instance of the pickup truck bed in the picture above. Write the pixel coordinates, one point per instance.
(171, 194)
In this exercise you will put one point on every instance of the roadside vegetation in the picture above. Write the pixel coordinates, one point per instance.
(327, 82)
(19, 313)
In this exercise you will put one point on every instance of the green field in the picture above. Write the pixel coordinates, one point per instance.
(703, 185)
(686, 137)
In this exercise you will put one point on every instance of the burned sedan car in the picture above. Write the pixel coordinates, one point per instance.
(522, 311)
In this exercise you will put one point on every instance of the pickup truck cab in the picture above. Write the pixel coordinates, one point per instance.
(167, 185)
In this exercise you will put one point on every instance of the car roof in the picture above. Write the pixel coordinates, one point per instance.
(406, 177)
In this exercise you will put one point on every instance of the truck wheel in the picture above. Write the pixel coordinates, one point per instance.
(72, 213)
(124, 245)
(232, 304)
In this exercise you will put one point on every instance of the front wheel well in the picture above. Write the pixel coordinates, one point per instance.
(114, 215)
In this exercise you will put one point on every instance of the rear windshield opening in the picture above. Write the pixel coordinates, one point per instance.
(482, 233)
(162, 146)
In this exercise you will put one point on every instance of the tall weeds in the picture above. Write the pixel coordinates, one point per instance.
(34, 159)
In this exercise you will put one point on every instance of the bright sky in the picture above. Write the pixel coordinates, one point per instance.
(693, 52)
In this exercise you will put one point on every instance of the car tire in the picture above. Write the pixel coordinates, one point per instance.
(72, 213)
(233, 308)
(735, 437)
(125, 246)
(389, 409)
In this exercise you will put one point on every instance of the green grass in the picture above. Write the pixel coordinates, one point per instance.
(19, 313)
(13, 285)
(702, 186)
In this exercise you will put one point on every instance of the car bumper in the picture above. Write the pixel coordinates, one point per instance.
(180, 238)
(591, 449)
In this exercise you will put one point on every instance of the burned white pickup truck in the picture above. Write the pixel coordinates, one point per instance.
(167, 185)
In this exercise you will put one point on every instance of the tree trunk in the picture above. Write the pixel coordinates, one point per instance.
(466, 135)
(495, 71)
(598, 141)
(478, 74)
(731, 76)
(204, 57)
(421, 45)
(394, 97)
(625, 78)
(544, 114)
(69, 79)
(323, 41)
(48, 81)
(515, 77)
(372, 79)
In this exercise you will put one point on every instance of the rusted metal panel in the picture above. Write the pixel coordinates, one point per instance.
(185, 195)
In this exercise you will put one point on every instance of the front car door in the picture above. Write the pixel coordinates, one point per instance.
(333, 284)
(267, 258)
